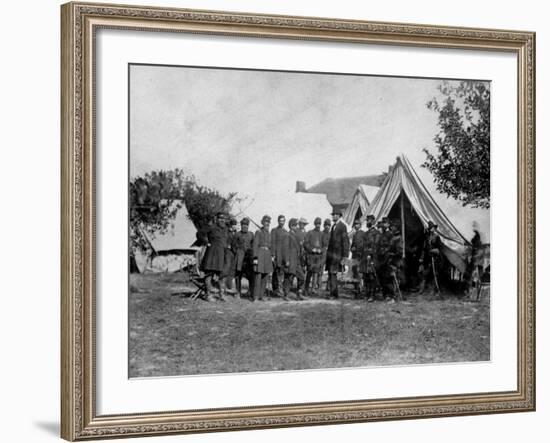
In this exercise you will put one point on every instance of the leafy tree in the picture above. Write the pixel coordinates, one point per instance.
(461, 164)
(155, 199)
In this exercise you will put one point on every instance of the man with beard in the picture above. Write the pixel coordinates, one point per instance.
(395, 261)
(369, 259)
(326, 236)
(356, 237)
(337, 251)
(216, 239)
(313, 246)
(262, 258)
(243, 256)
(385, 270)
(278, 239)
(228, 273)
(293, 266)
(430, 259)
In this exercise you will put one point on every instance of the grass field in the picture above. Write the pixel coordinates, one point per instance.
(172, 335)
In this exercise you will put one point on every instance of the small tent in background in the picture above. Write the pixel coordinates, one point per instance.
(360, 202)
(403, 196)
(288, 203)
(172, 250)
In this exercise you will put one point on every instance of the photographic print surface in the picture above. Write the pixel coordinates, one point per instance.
(285, 220)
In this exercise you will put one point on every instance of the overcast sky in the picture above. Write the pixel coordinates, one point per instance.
(254, 132)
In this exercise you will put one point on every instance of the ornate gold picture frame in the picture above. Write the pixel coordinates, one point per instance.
(80, 22)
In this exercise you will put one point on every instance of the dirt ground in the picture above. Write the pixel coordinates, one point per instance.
(172, 335)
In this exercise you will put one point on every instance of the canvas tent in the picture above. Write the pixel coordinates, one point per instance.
(403, 196)
(360, 203)
(288, 203)
(172, 250)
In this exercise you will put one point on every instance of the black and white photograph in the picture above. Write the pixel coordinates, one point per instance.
(285, 220)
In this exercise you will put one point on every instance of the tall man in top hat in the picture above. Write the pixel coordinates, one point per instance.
(278, 240)
(337, 251)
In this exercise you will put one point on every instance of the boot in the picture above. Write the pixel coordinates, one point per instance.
(223, 290)
(208, 284)
(229, 286)
(238, 284)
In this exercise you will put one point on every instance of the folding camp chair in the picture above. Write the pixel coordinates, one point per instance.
(200, 284)
(198, 278)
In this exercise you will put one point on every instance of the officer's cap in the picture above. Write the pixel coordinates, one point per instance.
(293, 222)
(245, 221)
(266, 218)
(317, 221)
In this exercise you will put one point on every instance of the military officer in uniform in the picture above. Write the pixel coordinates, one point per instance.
(302, 223)
(301, 232)
(216, 239)
(430, 259)
(278, 239)
(384, 270)
(369, 259)
(395, 261)
(356, 239)
(313, 245)
(293, 255)
(262, 258)
(337, 251)
(326, 236)
(243, 256)
(228, 273)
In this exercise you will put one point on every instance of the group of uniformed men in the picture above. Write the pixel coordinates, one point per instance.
(285, 255)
